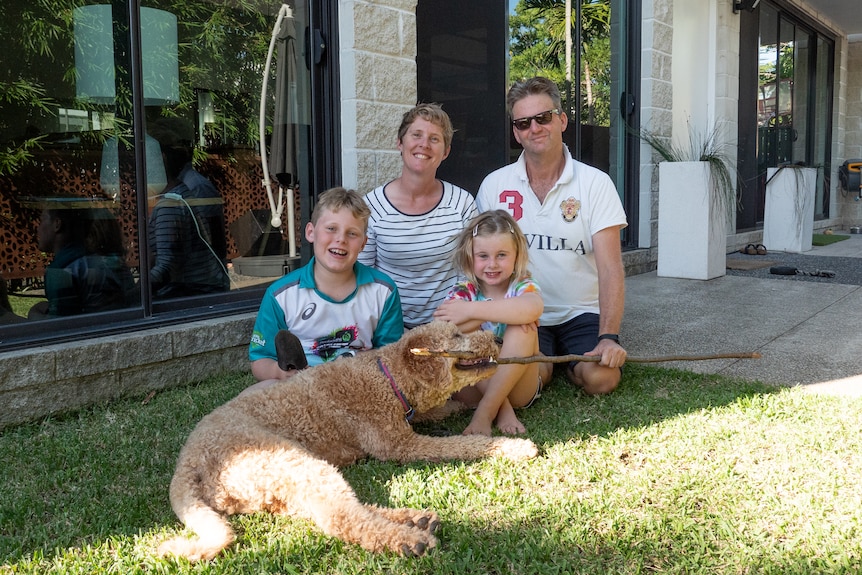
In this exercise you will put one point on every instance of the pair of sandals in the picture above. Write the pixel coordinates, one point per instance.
(754, 250)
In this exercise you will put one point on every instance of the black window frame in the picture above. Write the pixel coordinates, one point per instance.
(749, 215)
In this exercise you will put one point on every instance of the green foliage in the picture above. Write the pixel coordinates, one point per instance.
(221, 47)
(702, 146)
(674, 472)
(21, 92)
(538, 47)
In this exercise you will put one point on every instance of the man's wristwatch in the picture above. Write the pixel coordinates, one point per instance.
(611, 336)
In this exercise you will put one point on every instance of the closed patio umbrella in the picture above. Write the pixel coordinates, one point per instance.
(282, 164)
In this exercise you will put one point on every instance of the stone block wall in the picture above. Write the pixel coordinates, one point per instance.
(46, 380)
(378, 84)
(850, 209)
(656, 107)
(853, 120)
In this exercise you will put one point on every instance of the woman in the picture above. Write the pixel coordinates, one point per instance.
(416, 218)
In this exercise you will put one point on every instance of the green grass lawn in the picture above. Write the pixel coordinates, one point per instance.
(21, 305)
(826, 239)
(673, 473)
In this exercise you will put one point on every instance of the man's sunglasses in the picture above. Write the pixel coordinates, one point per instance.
(522, 124)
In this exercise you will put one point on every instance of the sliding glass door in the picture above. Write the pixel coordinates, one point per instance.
(792, 96)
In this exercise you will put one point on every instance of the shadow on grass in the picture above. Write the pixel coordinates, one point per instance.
(646, 395)
(100, 472)
(104, 472)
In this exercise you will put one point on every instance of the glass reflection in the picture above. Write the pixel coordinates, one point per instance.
(68, 134)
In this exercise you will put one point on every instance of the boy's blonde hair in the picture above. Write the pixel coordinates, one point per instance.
(334, 199)
(430, 113)
(488, 224)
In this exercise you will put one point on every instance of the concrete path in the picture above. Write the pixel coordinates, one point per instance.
(808, 333)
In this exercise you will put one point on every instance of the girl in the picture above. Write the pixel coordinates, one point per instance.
(498, 296)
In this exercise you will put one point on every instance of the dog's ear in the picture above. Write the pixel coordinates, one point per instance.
(416, 338)
(435, 335)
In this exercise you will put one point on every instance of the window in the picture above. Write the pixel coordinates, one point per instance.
(786, 98)
(130, 172)
(467, 64)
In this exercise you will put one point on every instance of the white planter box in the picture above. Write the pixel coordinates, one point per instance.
(788, 216)
(692, 239)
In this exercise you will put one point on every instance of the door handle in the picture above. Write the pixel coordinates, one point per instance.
(627, 104)
(318, 47)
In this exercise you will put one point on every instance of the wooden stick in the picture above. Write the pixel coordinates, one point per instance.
(592, 358)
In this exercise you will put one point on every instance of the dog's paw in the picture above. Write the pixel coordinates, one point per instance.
(420, 519)
(191, 549)
(514, 448)
(418, 546)
(417, 550)
(427, 521)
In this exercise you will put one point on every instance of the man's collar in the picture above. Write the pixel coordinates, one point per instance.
(565, 177)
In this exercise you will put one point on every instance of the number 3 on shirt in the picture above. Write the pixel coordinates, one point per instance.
(513, 200)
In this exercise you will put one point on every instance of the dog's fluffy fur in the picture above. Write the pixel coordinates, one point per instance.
(277, 449)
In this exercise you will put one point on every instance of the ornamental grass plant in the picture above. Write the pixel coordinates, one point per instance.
(702, 146)
(674, 472)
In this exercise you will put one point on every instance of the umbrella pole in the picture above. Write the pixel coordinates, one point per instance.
(291, 235)
(275, 211)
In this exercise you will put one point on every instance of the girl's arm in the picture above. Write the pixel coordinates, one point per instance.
(469, 315)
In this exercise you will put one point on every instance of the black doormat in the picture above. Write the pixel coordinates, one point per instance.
(748, 263)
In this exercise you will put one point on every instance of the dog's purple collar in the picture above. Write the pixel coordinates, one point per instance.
(408, 410)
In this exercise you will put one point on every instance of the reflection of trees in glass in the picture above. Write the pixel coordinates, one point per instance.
(538, 45)
(221, 49)
(774, 106)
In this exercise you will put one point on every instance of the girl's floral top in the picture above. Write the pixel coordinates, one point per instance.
(469, 291)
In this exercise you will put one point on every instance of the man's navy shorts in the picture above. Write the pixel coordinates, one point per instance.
(576, 336)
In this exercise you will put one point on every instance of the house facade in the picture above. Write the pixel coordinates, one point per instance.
(107, 104)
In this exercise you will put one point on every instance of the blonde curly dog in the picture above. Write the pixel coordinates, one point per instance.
(278, 449)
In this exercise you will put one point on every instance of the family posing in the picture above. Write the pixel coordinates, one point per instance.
(535, 258)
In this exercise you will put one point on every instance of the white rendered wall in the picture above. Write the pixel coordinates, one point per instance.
(693, 67)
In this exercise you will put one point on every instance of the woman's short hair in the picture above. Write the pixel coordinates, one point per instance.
(431, 113)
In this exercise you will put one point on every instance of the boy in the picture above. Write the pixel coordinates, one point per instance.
(333, 305)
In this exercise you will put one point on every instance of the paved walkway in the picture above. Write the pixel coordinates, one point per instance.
(808, 333)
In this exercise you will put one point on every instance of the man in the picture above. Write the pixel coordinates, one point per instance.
(188, 246)
(571, 215)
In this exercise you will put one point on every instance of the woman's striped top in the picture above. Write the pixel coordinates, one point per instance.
(415, 250)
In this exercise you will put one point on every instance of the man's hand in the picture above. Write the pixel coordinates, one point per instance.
(613, 354)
